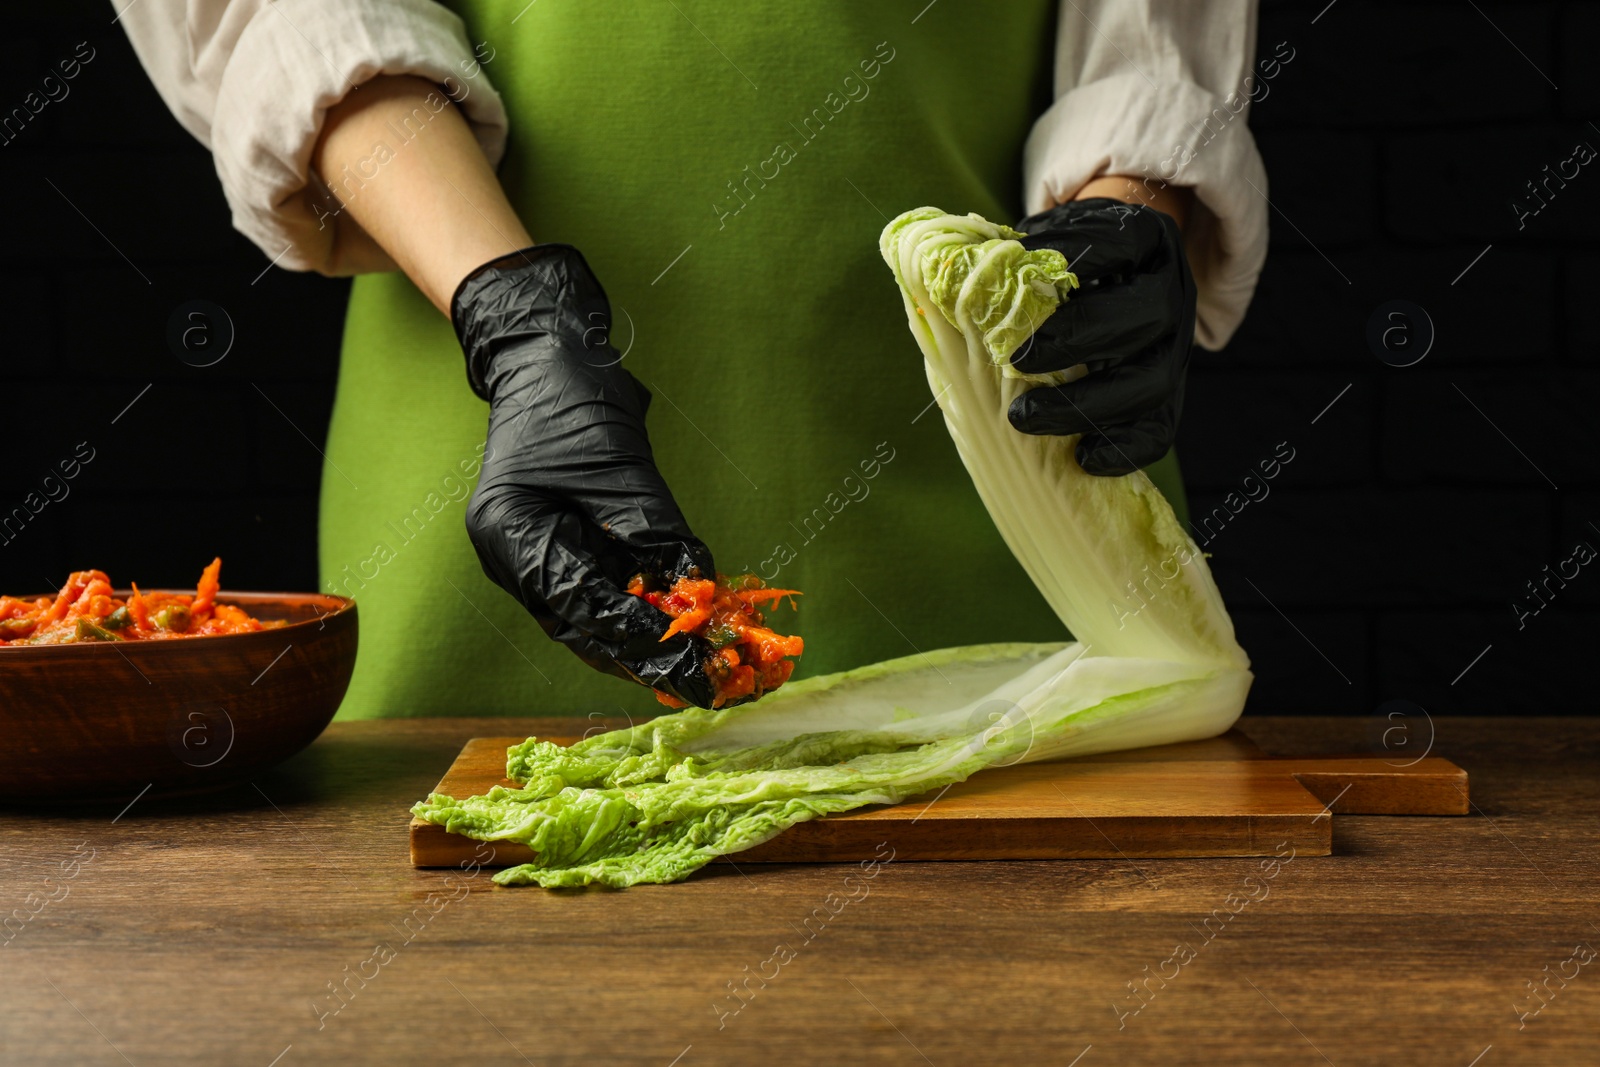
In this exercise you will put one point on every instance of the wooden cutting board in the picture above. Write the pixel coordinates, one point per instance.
(1220, 797)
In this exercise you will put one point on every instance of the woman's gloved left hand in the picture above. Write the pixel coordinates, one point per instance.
(1131, 323)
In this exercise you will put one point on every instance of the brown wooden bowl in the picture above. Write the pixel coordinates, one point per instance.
(105, 720)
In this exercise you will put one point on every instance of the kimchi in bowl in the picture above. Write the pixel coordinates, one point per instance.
(104, 719)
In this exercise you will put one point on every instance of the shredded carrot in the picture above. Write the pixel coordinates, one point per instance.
(69, 593)
(136, 609)
(756, 596)
(690, 620)
(15, 607)
(205, 593)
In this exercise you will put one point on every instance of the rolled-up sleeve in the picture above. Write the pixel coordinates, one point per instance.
(1160, 90)
(254, 79)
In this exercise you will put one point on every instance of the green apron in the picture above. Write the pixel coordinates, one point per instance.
(726, 177)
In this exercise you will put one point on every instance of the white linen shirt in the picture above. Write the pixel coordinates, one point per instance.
(1155, 89)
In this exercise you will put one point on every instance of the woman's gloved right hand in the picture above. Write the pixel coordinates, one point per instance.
(570, 505)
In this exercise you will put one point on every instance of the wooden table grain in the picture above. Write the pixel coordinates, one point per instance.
(282, 924)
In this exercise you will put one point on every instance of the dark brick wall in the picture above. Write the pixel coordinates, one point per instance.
(1384, 558)
(1388, 553)
(203, 463)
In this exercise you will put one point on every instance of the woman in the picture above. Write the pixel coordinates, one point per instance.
(725, 171)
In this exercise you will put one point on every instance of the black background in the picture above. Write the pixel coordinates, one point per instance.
(1385, 560)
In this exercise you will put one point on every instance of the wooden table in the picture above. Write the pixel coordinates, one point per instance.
(215, 931)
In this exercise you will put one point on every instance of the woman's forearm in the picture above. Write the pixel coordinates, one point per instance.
(410, 176)
(1174, 200)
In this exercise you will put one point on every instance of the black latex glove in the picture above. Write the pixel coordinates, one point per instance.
(1131, 323)
(570, 504)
